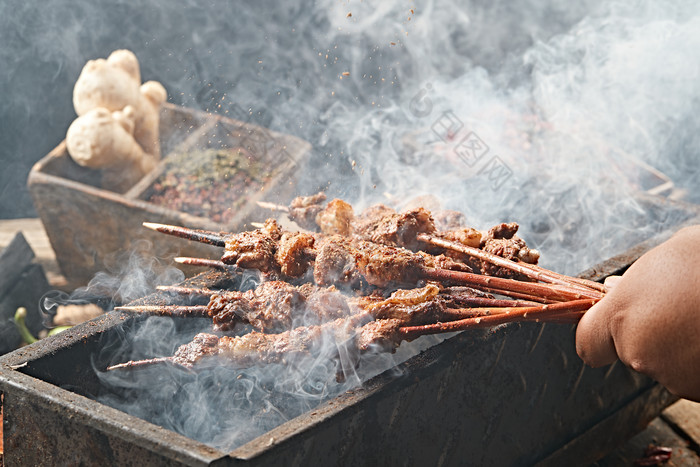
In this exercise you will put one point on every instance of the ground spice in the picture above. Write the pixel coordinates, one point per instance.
(211, 183)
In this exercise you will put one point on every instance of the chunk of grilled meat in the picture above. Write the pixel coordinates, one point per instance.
(260, 348)
(293, 253)
(275, 306)
(502, 241)
(304, 209)
(336, 218)
(399, 229)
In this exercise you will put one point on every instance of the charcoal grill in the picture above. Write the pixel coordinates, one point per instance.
(516, 394)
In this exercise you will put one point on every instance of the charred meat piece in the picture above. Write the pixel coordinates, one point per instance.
(382, 265)
(270, 307)
(276, 306)
(202, 346)
(304, 209)
(251, 250)
(367, 221)
(293, 255)
(502, 241)
(326, 304)
(445, 261)
(411, 306)
(461, 292)
(510, 248)
(465, 235)
(337, 263)
(500, 231)
(336, 218)
(380, 335)
(273, 229)
(401, 229)
(259, 348)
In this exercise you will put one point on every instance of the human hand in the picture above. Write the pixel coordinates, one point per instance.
(650, 317)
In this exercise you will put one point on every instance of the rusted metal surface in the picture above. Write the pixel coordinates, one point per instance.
(514, 395)
(89, 226)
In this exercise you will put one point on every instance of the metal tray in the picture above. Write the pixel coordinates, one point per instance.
(88, 226)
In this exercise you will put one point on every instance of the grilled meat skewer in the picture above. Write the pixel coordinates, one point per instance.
(361, 331)
(342, 261)
(278, 306)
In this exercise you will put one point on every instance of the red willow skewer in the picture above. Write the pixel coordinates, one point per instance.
(188, 290)
(557, 312)
(197, 235)
(529, 291)
(183, 311)
(475, 302)
(509, 287)
(577, 280)
(191, 311)
(140, 363)
(529, 270)
(272, 206)
(207, 263)
(556, 292)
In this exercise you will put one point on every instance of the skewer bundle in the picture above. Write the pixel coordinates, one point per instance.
(375, 280)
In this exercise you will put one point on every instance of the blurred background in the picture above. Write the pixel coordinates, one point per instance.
(578, 108)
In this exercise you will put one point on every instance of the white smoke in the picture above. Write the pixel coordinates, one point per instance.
(561, 117)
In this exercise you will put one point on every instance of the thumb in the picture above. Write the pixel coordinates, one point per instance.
(594, 343)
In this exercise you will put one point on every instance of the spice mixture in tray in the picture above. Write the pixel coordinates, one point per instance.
(210, 183)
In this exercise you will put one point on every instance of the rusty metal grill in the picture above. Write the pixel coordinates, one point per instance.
(516, 394)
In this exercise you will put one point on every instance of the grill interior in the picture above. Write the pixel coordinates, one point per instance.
(514, 394)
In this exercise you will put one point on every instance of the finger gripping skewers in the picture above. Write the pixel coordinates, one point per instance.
(374, 280)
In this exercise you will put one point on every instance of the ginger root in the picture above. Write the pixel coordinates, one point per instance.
(117, 129)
